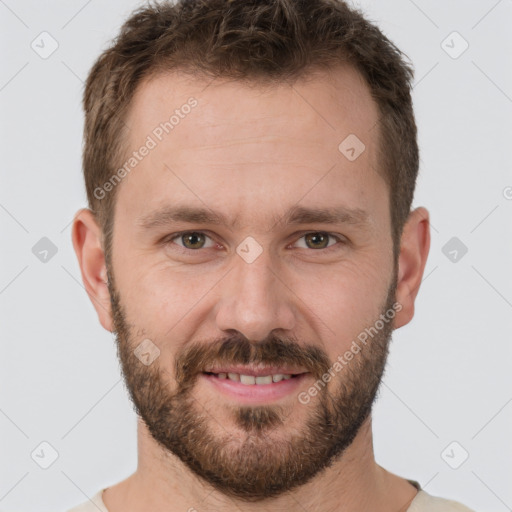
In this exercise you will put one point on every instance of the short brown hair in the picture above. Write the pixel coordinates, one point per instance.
(264, 41)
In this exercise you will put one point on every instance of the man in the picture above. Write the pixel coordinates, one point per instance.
(250, 168)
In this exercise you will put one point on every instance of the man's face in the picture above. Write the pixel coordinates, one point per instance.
(258, 295)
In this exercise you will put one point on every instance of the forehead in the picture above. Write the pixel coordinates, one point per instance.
(243, 145)
(337, 100)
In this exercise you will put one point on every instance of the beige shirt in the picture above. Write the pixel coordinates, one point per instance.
(422, 502)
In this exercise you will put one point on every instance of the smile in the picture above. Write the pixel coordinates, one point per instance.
(253, 389)
(249, 380)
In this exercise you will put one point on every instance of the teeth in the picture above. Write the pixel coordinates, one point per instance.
(280, 376)
(247, 379)
(264, 380)
(250, 380)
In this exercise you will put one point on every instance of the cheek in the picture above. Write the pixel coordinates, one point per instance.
(344, 300)
(163, 298)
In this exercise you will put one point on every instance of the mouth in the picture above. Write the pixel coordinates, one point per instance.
(250, 380)
(255, 385)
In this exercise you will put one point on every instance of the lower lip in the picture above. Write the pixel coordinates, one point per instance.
(253, 393)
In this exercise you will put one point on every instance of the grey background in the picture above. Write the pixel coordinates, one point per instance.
(448, 375)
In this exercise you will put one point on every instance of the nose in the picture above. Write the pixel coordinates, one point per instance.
(255, 300)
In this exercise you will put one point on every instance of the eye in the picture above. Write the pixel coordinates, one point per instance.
(195, 240)
(320, 240)
(192, 240)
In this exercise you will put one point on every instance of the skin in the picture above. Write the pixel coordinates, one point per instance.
(252, 153)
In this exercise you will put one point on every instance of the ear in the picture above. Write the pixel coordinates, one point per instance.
(414, 247)
(87, 242)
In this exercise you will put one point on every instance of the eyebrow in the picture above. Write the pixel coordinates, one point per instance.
(295, 215)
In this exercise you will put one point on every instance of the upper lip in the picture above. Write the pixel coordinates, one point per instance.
(256, 371)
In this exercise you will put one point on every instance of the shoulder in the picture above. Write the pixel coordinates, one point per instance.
(424, 502)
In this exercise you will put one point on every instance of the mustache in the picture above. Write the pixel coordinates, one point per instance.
(237, 349)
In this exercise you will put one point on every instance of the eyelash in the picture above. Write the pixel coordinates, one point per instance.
(174, 236)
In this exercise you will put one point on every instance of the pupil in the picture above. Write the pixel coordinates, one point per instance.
(191, 239)
(315, 237)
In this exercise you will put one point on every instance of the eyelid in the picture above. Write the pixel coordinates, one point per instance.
(341, 239)
(170, 238)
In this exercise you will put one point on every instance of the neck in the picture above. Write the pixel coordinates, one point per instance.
(355, 483)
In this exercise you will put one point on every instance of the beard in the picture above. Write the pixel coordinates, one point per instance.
(261, 458)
